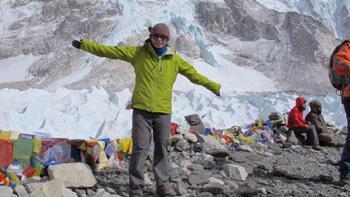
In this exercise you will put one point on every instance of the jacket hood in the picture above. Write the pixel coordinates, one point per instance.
(299, 101)
(315, 107)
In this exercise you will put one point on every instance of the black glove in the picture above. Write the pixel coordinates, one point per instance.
(76, 44)
(218, 93)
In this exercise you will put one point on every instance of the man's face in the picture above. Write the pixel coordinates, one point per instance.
(303, 106)
(159, 40)
(318, 109)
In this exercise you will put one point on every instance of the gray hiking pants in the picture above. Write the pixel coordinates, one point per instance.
(143, 123)
(312, 137)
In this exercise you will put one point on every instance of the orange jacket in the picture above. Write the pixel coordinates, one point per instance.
(342, 66)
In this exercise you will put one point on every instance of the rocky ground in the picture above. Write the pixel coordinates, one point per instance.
(207, 170)
(273, 170)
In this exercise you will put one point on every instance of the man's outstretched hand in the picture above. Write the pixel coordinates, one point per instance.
(76, 44)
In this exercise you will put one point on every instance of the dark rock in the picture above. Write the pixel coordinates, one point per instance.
(219, 153)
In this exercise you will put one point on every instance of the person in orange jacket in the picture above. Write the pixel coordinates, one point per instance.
(297, 123)
(341, 64)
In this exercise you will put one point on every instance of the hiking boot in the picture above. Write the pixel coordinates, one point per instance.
(316, 147)
(166, 191)
(345, 179)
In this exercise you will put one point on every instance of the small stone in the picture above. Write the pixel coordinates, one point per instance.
(90, 192)
(180, 189)
(32, 179)
(21, 190)
(147, 179)
(233, 185)
(110, 190)
(246, 148)
(80, 192)
(205, 194)
(182, 145)
(262, 190)
(190, 137)
(236, 172)
(196, 168)
(216, 180)
(213, 188)
(198, 178)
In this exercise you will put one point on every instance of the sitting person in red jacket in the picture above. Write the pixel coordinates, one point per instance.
(297, 123)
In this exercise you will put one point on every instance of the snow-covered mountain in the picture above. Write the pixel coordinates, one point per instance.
(334, 14)
(257, 49)
(284, 47)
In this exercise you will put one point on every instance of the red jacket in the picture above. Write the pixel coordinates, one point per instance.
(296, 116)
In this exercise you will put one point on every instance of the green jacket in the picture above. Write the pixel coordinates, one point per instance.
(154, 76)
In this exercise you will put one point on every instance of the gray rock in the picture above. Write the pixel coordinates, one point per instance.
(90, 192)
(21, 190)
(216, 180)
(246, 148)
(80, 192)
(198, 178)
(292, 138)
(213, 188)
(190, 137)
(233, 185)
(180, 189)
(33, 186)
(148, 181)
(196, 168)
(262, 190)
(210, 144)
(236, 172)
(103, 193)
(31, 180)
(182, 145)
(74, 175)
(208, 164)
(343, 194)
(53, 187)
(174, 173)
(204, 194)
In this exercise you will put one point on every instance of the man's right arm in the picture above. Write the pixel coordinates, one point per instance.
(113, 52)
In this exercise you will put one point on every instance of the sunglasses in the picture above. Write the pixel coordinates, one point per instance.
(161, 36)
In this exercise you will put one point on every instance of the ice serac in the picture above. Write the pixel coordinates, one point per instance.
(289, 48)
